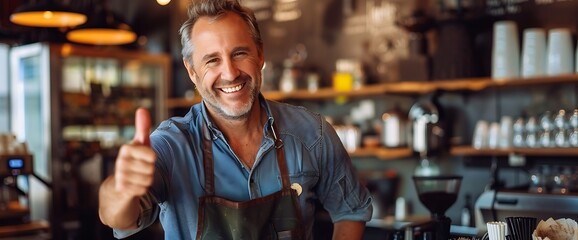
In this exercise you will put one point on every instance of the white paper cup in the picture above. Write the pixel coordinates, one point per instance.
(480, 138)
(560, 49)
(506, 132)
(505, 50)
(533, 53)
(493, 135)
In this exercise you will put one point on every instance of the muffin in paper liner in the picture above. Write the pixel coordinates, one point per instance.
(561, 229)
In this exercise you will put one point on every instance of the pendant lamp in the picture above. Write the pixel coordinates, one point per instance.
(104, 28)
(46, 13)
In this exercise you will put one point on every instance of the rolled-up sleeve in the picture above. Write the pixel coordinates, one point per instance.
(148, 215)
(339, 189)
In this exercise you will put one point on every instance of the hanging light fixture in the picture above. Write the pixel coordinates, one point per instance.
(46, 13)
(163, 2)
(104, 28)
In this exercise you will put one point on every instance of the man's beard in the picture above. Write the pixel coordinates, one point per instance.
(231, 112)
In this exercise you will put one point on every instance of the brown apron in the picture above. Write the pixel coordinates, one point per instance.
(276, 216)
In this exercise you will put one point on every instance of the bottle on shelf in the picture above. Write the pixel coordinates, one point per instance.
(467, 213)
(288, 82)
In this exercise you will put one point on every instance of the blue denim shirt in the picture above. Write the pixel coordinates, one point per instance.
(315, 157)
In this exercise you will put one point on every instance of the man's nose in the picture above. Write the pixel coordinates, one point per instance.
(229, 70)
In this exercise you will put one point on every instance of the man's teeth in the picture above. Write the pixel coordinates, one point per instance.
(232, 89)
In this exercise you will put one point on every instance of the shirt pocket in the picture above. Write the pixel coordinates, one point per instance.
(307, 181)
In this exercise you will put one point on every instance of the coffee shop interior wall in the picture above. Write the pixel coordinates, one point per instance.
(324, 31)
(369, 31)
(334, 29)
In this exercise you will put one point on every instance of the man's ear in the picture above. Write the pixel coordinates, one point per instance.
(261, 58)
(190, 71)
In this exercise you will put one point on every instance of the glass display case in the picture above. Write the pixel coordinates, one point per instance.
(74, 106)
(4, 92)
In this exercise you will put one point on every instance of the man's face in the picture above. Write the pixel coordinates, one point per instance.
(226, 65)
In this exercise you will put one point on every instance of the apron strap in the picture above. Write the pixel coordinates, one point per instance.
(281, 158)
(208, 161)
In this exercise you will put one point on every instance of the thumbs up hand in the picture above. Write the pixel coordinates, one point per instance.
(142, 123)
(135, 163)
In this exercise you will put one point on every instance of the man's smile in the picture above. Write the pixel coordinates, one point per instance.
(233, 89)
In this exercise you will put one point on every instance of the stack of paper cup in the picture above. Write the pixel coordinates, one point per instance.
(505, 50)
(560, 49)
(533, 52)
(496, 230)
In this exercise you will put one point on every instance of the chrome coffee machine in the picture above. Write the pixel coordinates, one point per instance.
(15, 161)
(429, 133)
(428, 127)
(497, 206)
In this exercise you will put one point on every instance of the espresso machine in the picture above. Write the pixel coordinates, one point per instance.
(15, 166)
(429, 133)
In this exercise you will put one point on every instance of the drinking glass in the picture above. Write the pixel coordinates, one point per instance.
(532, 133)
(519, 133)
(573, 135)
(546, 121)
(537, 181)
(547, 139)
(560, 120)
(547, 130)
(573, 119)
(480, 139)
(573, 138)
(561, 180)
(562, 131)
(506, 132)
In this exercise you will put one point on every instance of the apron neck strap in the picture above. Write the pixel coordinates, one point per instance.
(280, 157)
(209, 167)
(208, 161)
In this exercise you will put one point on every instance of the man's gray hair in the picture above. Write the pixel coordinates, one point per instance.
(215, 9)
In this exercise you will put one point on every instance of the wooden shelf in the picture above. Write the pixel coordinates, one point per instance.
(399, 153)
(466, 84)
(383, 153)
(25, 229)
(181, 102)
(470, 151)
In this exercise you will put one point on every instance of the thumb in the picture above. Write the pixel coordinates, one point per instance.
(142, 123)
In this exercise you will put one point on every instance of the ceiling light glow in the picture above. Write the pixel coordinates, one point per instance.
(163, 2)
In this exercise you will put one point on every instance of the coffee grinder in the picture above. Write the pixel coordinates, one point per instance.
(438, 194)
(15, 160)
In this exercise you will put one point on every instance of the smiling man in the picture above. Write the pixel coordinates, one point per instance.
(236, 166)
(226, 66)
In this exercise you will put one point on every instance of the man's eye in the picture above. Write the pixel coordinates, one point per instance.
(239, 54)
(213, 60)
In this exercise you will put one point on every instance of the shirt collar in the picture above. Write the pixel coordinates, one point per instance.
(215, 132)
